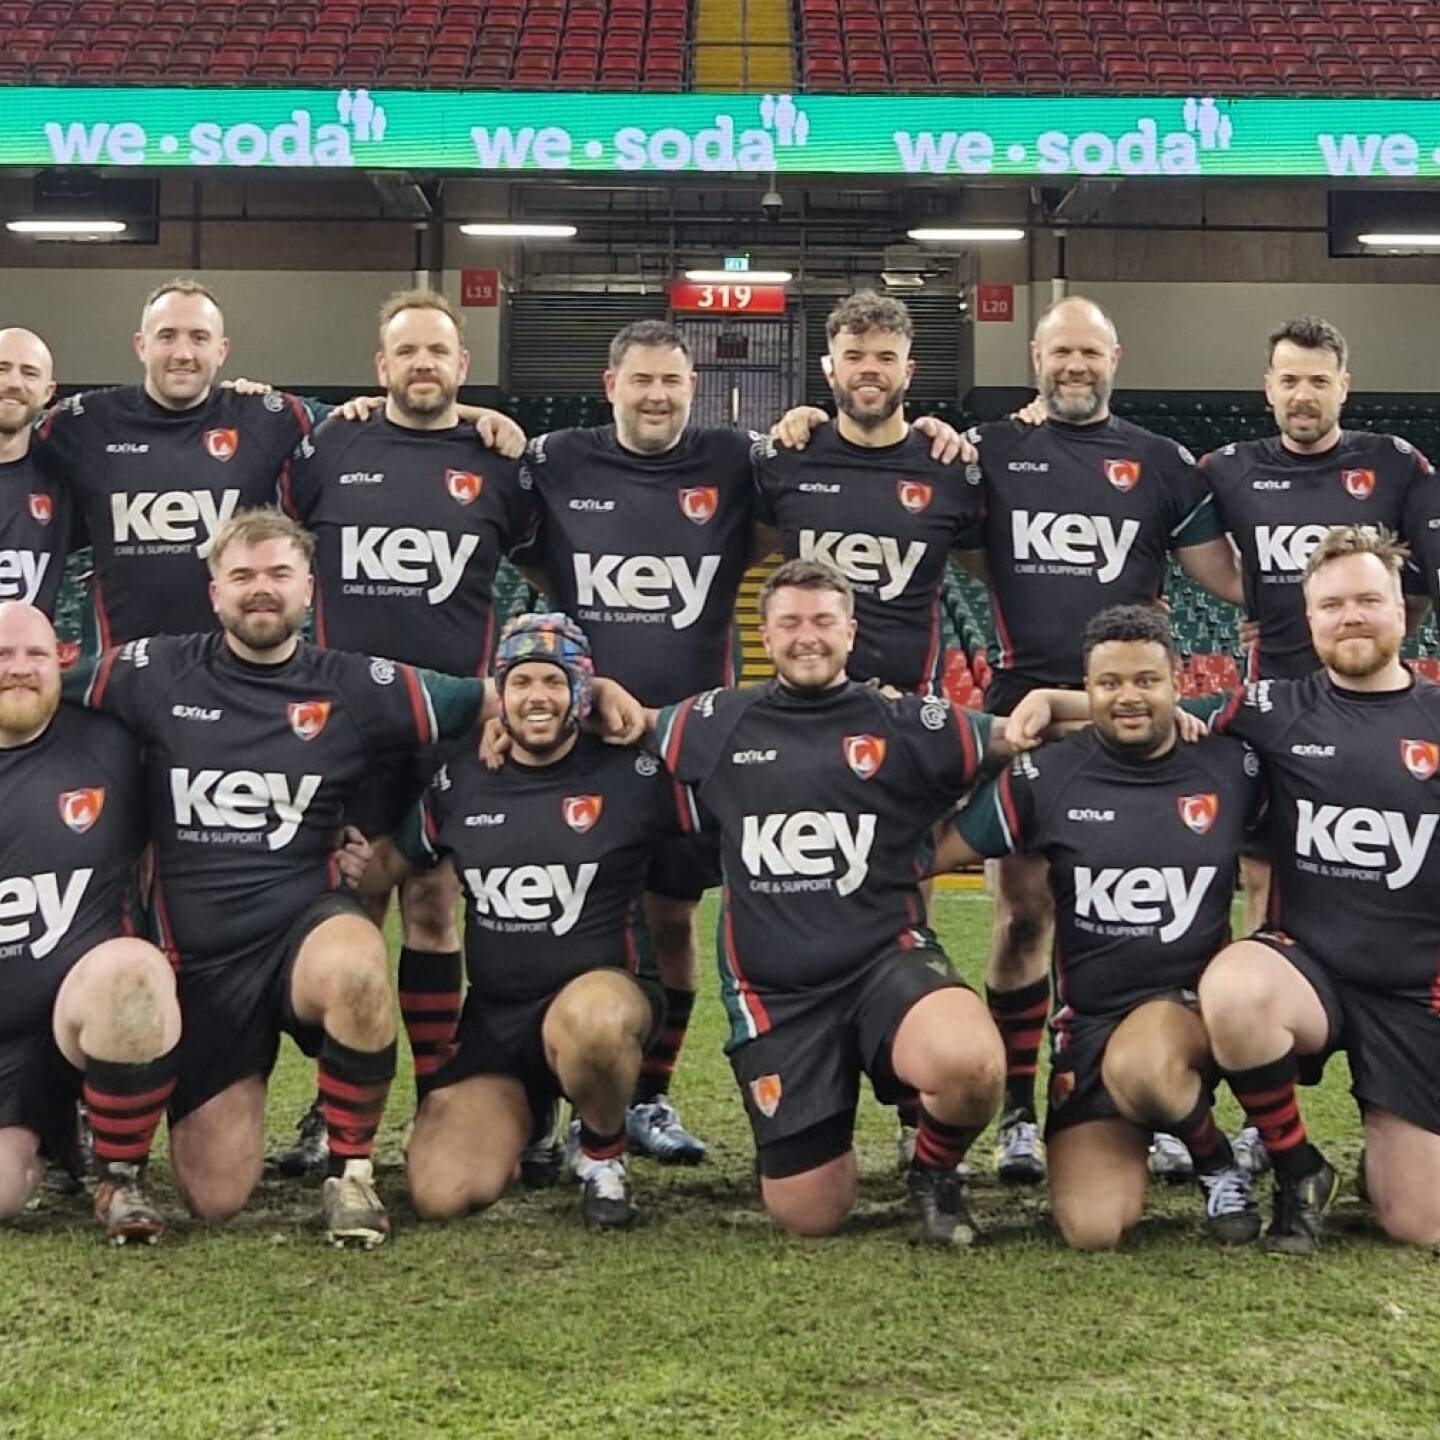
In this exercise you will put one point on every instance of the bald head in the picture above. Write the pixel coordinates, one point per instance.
(1075, 353)
(29, 673)
(27, 379)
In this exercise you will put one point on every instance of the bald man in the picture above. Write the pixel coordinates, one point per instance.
(85, 1007)
(35, 512)
(1082, 513)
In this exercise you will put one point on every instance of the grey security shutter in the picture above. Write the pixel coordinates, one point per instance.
(558, 343)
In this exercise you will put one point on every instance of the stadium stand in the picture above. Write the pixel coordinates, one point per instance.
(1328, 47)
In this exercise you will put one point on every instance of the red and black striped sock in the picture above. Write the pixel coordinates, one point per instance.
(595, 1146)
(353, 1087)
(1020, 1017)
(126, 1104)
(939, 1146)
(658, 1067)
(1205, 1141)
(429, 985)
(1267, 1093)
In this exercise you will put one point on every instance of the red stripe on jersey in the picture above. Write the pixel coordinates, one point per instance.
(672, 745)
(1252, 662)
(332, 873)
(95, 696)
(1435, 992)
(967, 740)
(1007, 806)
(748, 998)
(417, 705)
(301, 414)
(162, 919)
(1220, 721)
(687, 826)
(1002, 633)
(287, 494)
(102, 619)
(427, 822)
(47, 424)
(320, 615)
(928, 676)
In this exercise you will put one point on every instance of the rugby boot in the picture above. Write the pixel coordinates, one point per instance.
(1231, 1215)
(1169, 1160)
(1250, 1152)
(1019, 1151)
(939, 1199)
(309, 1157)
(653, 1129)
(542, 1161)
(1295, 1225)
(354, 1213)
(124, 1209)
(605, 1200)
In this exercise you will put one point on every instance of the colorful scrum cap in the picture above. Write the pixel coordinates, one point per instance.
(555, 638)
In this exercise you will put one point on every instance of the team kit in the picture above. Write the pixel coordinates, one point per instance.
(221, 810)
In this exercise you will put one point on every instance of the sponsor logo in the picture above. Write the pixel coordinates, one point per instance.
(1359, 484)
(752, 757)
(42, 509)
(532, 895)
(645, 583)
(864, 754)
(866, 559)
(817, 487)
(463, 486)
(126, 447)
(647, 765)
(307, 717)
(221, 444)
(136, 653)
(1364, 844)
(593, 506)
(1420, 757)
(705, 703)
(1082, 813)
(1029, 467)
(1257, 695)
(809, 850)
(934, 715)
(382, 672)
(362, 477)
(195, 712)
(1124, 475)
(23, 897)
(1287, 548)
(913, 495)
(172, 517)
(765, 1091)
(1142, 897)
(1270, 484)
(1199, 811)
(699, 505)
(405, 556)
(21, 574)
(240, 800)
(273, 401)
(486, 820)
(1089, 542)
(80, 809)
(1314, 752)
(582, 811)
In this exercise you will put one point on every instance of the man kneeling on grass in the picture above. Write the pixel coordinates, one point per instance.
(1142, 835)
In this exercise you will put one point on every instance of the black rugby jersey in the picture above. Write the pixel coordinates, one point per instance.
(1141, 856)
(152, 485)
(647, 552)
(75, 804)
(249, 768)
(553, 860)
(35, 530)
(409, 526)
(822, 800)
(887, 517)
(1354, 783)
(1278, 506)
(1079, 518)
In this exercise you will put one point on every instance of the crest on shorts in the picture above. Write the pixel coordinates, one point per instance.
(1123, 474)
(1062, 1087)
(42, 508)
(765, 1091)
(913, 495)
(1359, 484)
(80, 809)
(1199, 811)
(464, 486)
(221, 444)
(1421, 757)
(581, 811)
(308, 717)
(864, 754)
(699, 504)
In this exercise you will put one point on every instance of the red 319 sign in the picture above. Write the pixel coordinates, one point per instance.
(727, 299)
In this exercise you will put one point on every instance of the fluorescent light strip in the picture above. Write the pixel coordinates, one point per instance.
(65, 227)
(964, 232)
(518, 230)
(1400, 242)
(738, 277)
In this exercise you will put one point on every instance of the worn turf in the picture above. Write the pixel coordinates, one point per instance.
(704, 1321)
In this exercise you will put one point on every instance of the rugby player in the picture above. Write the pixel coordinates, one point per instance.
(563, 997)
(1140, 837)
(35, 517)
(411, 513)
(85, 1006)
(1082, 513)
(254, 743)
(822, 790)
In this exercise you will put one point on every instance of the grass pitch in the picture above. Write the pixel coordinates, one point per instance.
(705, 1321)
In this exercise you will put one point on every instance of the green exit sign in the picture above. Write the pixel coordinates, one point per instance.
(738, 263)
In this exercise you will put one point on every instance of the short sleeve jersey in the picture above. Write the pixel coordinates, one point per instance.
(409, 527)
(1141, 856)
(1278, 507)
(822, 800)
(68, 856)
(647, 552)
(249, 767)
(35, 530)
(1079, 518)
(1355, 803)
(886, 517)
(553, 861)
(152, 486)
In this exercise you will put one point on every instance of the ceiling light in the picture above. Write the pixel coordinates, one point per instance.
(1388, 241)
(902, 279)
(518, 230)
(964, 232)
(74, 229)
(738, 277)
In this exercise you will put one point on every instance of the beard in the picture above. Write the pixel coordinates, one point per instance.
(25, 709)
(16, 416)
(564, 728)
(415, 408)
(872, 417)
(649, 441)
(811, 679)
(261, 628)
(1347, 656)
(1076, 409)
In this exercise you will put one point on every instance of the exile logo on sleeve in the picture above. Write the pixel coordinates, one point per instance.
(1081, 541)
(23, 897)
(813, 844)
(169, 517)
(865, 559)
(529, 894)
(405, 556)
(1140, 897)
(645, 582)
(239, 800)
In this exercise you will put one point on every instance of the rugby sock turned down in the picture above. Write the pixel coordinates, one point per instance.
(595, 1146)
(939, 1146)
(1267, 1094)
(126, 1103)
(658, 1067)
(1020, 1018)
(1208, 1147)
(353, 1087)
(429, 985)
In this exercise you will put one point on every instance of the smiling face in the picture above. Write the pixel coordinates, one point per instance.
(869, 374)
(1075, 355)
(29, 673)
(422, 365)
(26, 379)
(650, 394)
(808, 633)
(1356, 612)
(182, 345)
(1306, 389)
(261, 593)
(1131, 685)
(536, 704)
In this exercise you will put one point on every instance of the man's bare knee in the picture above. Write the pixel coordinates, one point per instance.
(810, 1219)
(1082, 1228)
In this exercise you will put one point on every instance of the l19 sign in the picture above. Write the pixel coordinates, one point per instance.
(738, 299)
